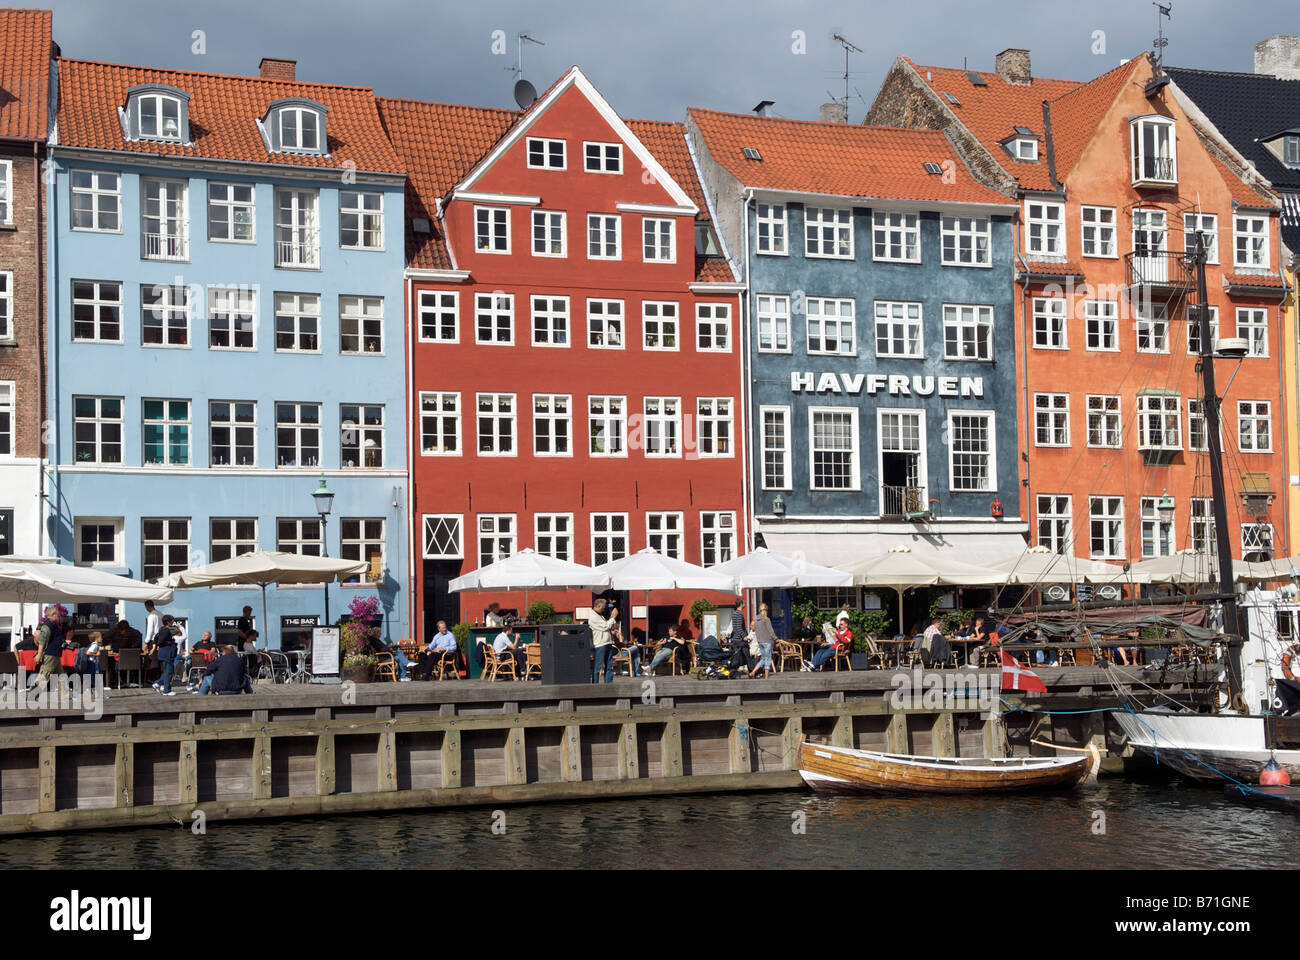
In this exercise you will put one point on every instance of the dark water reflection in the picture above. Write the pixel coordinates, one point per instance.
(1148, 825)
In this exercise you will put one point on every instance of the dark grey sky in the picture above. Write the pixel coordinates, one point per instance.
(654, 58)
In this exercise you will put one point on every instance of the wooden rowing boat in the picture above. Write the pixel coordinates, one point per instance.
(839, 769)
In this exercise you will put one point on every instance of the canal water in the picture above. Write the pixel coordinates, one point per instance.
(1116, 824)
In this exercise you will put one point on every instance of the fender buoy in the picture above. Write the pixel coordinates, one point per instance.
(1291, 652)
(1274, 774)
(1239, 703)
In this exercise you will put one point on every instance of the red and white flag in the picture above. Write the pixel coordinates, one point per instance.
(1016, 676)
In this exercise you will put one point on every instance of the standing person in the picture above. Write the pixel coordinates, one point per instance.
(842, 616)
(49, 645)
(493, 618)
(244, 627)
(739, 640)
(766, 637)
(164, 648)
(602, 641)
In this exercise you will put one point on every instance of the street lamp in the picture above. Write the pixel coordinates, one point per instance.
(1166, 508)
(324, 498)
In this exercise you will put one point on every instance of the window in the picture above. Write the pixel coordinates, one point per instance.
(1291, 151)
(1159, 422)
(1197, 438)
(361, 220)
(713, 426)
(165, 229)
(1150, 242)
(303, 536)
(828, 233)
(1101, 319)
(96, 200)
(663, 534)
(6, 192)
(713, 327)
(833, 442)
(164, 316)
(492, 229)
(1024, 148)
(967, 241)
(361, 324)
(607, 426)
(773, 315)
(97, 429)
(1154, 151)
(549, 239)
(6, 418)
(550, 321)
(659, 325)
(775, 440)
(496, 537)
(230, 212)
(442, 536)
(901, 458)
(300, 129)
(232, 314)
(1208, 224)
(832, 327)
(604, 233)
(362, 538)
(439, 423)
(98, 541)
(602, 157)
(1104, 421)
(1052, 419)
(896, 236)
(553, 535)
(494, 318)
(552, 424)
(1257, 541)
(545, 154)
(1204, 538)
(232, 433)
(1045, 234)
(605, 324)
(608, 537)
(231, 536)
(165, 546)
(496, 424)
(439, 316)
(297, 434)
(1194, 329)
(166, 432)
(1099, 232)
(663, 426)
(96, 311)
(657, 240)
(1252, 326)
(361, 435)
(1152, 326)
(771, 229)
(967, 332)
(1157, 534)
(1106, 520)
(297, 237)
(158, 116)
(297, 322)
(1049, 323)
(717, 537)
(1054, 522)
(6, 305)
(1250, 239)
(1254, 426)
(970, 451)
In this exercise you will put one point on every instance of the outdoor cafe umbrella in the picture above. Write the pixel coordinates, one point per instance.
(528, 570)
(1041, 565)
(46, 580)
(264, 567)
(1183, 567)
(762, 570)
(902, 569)
(650, 570)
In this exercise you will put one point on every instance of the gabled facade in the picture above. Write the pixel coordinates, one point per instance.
(575, 375)
(879, 343)
(226, 323)
(1112, 428)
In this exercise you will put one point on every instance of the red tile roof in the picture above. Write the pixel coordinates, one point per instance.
(223, 115)
(1076, 115)
(1247, 195)
(26, 37)
(839, 160)
(1271, 280)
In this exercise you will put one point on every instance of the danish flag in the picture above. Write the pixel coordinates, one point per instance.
(1017, 677)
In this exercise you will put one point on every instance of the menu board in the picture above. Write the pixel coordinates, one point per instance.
(325, 652)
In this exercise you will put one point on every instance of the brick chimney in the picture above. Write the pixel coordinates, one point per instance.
(273, 69)
(833, 113)
(1012, 65)
(1278, 57)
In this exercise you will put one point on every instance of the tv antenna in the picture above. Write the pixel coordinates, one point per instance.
(849, 47)
(525, 92)
(1163, 13)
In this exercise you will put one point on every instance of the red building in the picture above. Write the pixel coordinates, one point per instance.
(574, 369)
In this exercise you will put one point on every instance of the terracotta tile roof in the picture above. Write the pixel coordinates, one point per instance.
(837, 159)
(1247, 195)
(26, 37)
(1270, 280)
(1076, 115)
(1052, 268)
(992, 112)
(713, 270)
(223, 114)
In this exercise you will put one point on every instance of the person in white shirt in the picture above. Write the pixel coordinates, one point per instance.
(493, 617)
(505, 645)
(602, 641)
(151, 623)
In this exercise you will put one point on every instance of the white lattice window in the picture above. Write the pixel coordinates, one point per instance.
(970, 451)
(232, 433)
(297, 434)
(232, 318)
(1208, 224)
(896, 236)
(164, 546)
(1197, 438)
(1154, 151)
(361, 325)
(1052, 419)
(658, 240)
(828, 232)
(97, 429)
(232, 536)
(604, 236)
(297, 322)
(361, 220)
(771, 229)
(1257, 541)
(231, 212)
(1194, 329)
(775, 447)
(833, 448)
(602, 157)
(1104, 420)
(1203, 532)
(362, 539)
(361, 435)
(165, 316)
(549, 239)
(1157, 532)
(96, 310)
(439, 423)
(1254, 426)
(1250, 241)
(608, 537)
(96, 200)
(443, 536)
(664, 533)
(545, 154)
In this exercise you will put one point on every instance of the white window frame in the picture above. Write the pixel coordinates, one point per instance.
(99, 421)
(8, 401)
(160, 101)
(166, 543)
(658, 240)
(714, 427)
(598, 225)
(7, 306)
(545, 146)
(491, 229)
(781, 415)
(1101, 326)
(503, 538)
(298, 307)
(895, 237)
(837, 319)
(307, 536)
(960, 241)
(1196, 423)
(990, 454)
(95, 302)
(1256, 543)
(720, 524)
(544, 226)
(607, 554)
(545, 415)
(601, 162)
(354, 431)
(1201, 531)
(673, 526)
(661, 427)
(232, 306)
(1051, 324)
(1160, 422)
(1138, 150)
(822, 233)
(1157, 535)
(1057, 410)
(361, 313)
(662, 317)
(975, 319)
(361, 545)
(297, 229)
(168, 306)
(607, 418)
(1194, 330)
(1254, 321)
(496, 416)
(560, 529)
(772, 323)
(232, 208)
(1106, 411)
(233, 545)
(494, 306)
(291, 120)
(1115, 547)
(712, 327)
(439, 304)
(854, 451)
(922, 459)
(6, 192)
(771, 230)
(1094, 225)
(440, 416)
(1059, 514)
(1044, 229)
(98, 194)
(1151, 318)
(369, 220)
(166, 203)
(434, 524)
(118, 526)
(1209, 224)
(1254, 230)
(1254, 422)
(299, 427)
(234, 426)
(553, 312)
(608, 323)
(900, 327)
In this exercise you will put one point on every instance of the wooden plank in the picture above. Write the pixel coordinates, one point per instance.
(628, 760)
(995, 740)
(571, 754)
(670, 750)
(386, 759)
(45, 786)
(896, 736)
(842, 732)
(790, 743)
(124, 776)
(516, 758)
(741, 754)
(945, 735)
(451, 760)
(325, 764)
(261, 768)
(189, 771)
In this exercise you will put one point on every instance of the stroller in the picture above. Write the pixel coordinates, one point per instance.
(713, 659)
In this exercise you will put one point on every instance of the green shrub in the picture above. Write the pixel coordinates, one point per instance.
(699, 608)
(461, 632)
(539, 611)
(861, 622)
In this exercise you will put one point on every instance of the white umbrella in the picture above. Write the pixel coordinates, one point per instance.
(901, 569)
(1183, 567)
(1041, 565)
(528, 570)
(46, 580)
(650, 570)
(761, 570)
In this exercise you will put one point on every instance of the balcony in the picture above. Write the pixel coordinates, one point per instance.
(301, 250)
(903, 503)
(166, 246)
(1166, 270)
(1157, 172)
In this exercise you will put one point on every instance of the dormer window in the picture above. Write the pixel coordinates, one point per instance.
(295, 126)
(157, 113)
(1023, 145)
(1291, 150)
(1155, 155)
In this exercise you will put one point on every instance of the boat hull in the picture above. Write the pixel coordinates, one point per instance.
(841, 770)
(1205, 746)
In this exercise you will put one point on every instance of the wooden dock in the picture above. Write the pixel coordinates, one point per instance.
(305, 750)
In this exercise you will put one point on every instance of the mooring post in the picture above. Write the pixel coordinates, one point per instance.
(741, 754)
(325, 764)
(451, 758)
(189, 771)
(790, 743)
(571, 754)
(262, 767)
(45, 795)
(896, 736)
(670, 749)
(629, 766)
(123, 775)
(515, 755)
(387, 758)
(944, 735)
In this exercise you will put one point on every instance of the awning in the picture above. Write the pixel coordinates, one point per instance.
(841, 549)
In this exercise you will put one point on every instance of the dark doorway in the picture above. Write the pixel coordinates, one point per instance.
(439, 602)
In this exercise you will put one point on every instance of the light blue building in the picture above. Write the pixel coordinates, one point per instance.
(226, 316)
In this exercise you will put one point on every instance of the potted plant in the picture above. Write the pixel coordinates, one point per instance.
(539, 611)
(361, 627)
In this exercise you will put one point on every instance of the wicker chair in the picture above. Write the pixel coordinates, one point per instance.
(533, 661)
(495, 666)
(788, 651)
(386, 667)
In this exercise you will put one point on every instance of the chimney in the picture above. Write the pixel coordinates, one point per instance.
(834, 113)
(1012, 65)
(1278, 57)
(273, 69)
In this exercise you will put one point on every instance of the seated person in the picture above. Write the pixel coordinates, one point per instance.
(806, 630)
(835, 638)
(934, 646)
(28, 642)
(224, 675)
(206, 642)
(506, 645)
(296, 641)
(442, 646)
(633, 650)
(124, 636)
(250, 642)
(1128, 655)
(665, 649)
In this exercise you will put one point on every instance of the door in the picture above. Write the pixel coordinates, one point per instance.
(1149, 261)
(439, 602)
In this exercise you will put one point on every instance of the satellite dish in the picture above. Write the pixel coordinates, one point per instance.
(525, 94)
